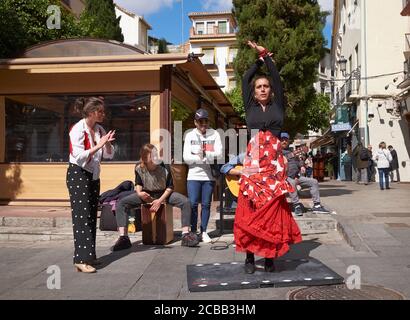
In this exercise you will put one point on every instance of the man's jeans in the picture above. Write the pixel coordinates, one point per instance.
(362, 176)
(305, 182)
(200, 190)
(383, 175)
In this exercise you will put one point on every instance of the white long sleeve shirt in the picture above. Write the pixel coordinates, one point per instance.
(383, 158)
(80, 144)
(199, 168)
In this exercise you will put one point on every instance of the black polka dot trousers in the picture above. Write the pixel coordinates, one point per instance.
(84, 194)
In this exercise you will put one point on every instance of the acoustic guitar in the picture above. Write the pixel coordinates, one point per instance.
(232, 181)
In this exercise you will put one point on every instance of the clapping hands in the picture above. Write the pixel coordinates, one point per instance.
(109, 137)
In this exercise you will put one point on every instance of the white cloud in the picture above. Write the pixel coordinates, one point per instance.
(326, 5)
(217, 5)
(144, 7)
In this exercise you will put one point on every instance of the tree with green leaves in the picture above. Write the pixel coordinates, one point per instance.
(98, 20)
(23, 23)
(292, 31)
(162, 46)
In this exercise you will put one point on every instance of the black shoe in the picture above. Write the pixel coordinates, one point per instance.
(122, 243)
(320, 209)
(269, 265)
(298, 210)
(381, 188)
(198, 236)
(189, 240)
(250, 266)
(388, 188)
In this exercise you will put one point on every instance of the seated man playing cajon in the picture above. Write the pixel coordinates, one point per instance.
(153, 184)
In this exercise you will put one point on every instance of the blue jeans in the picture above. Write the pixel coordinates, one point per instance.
(200, 190)
(383, 175)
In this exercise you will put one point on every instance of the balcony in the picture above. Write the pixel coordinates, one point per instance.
(406, 70)
(353, 85)
(406, 8)
(215, 32)
(407, 46)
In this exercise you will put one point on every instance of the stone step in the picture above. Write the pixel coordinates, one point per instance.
(60, 228)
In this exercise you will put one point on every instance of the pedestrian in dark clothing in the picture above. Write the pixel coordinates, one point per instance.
(394, 165)
(371, 171)
(361, 156)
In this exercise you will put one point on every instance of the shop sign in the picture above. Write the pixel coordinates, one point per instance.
(341, 127)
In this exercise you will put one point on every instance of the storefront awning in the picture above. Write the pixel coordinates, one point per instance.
(84, 57)
(326, 139)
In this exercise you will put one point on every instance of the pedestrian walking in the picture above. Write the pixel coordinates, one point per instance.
(361, 155)
(394, 165)
(383, 159)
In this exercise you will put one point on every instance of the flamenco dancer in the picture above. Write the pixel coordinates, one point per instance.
(264, 225)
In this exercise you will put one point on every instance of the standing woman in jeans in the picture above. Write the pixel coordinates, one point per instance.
(383, 158)
(201, 147)
(88, 144)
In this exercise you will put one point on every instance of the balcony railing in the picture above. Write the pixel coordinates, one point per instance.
(407, 45)
(406, 69)
(214, 31)
(353, 83)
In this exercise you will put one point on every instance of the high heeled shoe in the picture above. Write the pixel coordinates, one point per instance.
(269, 265)
(86, 268)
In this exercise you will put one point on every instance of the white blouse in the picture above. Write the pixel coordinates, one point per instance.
(80, 144)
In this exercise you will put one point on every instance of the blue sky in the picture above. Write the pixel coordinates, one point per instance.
(165, 16)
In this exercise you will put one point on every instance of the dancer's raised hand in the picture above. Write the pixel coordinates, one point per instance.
(255, 46)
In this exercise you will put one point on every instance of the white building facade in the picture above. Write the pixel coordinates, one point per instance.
(214, 35)
(134, 28)
(368, 35)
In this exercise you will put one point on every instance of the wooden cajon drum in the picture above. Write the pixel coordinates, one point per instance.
(157, 227)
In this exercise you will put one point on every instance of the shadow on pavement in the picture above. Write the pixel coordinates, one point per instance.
(325, 193)
(302, 250)
(325, 185)
(117, 255)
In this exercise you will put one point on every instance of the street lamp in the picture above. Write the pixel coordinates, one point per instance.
(342, 63)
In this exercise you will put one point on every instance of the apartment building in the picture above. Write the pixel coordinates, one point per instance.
(367, 54)
(134, 28)
(214, 35)
(404, 86)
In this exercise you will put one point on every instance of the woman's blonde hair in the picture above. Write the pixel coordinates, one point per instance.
(146, 149)
(382, 145)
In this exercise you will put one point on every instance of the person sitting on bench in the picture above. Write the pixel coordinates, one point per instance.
(295, 167)
(153, 184)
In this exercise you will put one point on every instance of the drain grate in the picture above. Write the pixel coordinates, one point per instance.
(341, 292)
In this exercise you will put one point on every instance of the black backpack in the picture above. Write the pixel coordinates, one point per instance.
(364, 154)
